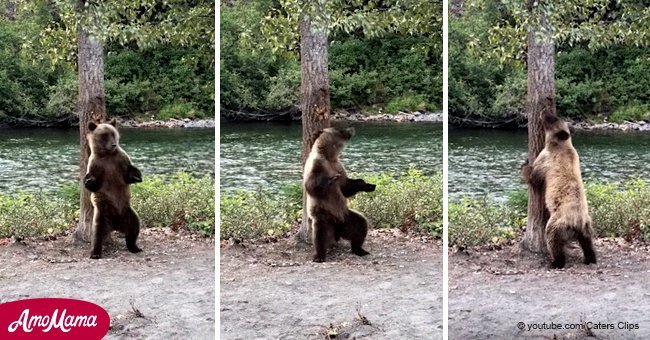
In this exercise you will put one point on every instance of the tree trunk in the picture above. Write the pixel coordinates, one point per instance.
(314, 93)
(540, 99)
(91, 106)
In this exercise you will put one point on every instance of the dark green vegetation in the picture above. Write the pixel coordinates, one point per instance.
(390, 73)
(178, 201)
(606, 83)
(159, 83)
(616, 212)
(411, 200)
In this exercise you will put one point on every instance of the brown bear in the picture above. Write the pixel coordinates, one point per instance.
(327, 188)
(108, 177)
(557, 170)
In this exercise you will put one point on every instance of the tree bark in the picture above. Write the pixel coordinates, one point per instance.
(540, 99)
(91, 106)
(314, 93)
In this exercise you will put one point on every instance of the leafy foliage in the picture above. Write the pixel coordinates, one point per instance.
(168, 82)
(474, 222)
(27, 215)
(251, 215)
(176, 201)
(597, 76)
(145, 24)
(394, 71)
(616, 211)
(410, 200)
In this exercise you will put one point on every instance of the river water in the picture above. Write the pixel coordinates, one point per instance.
(35, 160)
(267, 155)
(485, 161)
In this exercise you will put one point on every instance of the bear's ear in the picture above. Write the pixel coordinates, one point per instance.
(113, 122)
(549, 119)
(92, 126)
(572, 130)
(562, 135)
(316, 135)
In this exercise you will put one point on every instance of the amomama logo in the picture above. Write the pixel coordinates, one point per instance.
(52, 318)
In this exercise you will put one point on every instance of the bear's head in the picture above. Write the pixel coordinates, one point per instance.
(330, 141)
(556, 130)
(103, 138)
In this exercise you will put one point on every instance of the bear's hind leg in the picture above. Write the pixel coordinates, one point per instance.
(131, 225)
(555, 243)
(99, 229)
(355, 229)
(587, 245)
(323, 232)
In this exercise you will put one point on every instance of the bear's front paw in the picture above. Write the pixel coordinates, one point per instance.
(133, 175)
(91, 183)
(318, 258)
(525, 171)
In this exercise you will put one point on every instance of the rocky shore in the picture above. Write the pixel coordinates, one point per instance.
(430, 117)
(170, 123)
(625, 126)
(401, 117)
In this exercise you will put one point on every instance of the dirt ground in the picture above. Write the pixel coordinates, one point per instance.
(492, 291)
(164, 292)
(274, 291)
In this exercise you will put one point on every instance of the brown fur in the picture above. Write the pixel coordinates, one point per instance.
(557, 170)
(327, 187)
(108, 177)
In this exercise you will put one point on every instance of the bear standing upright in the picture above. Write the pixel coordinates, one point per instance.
(108, 176)
(557, 170)
(327, 188)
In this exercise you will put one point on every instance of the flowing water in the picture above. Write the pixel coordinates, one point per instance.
(34, 160)
(256, 155)
(485, 161)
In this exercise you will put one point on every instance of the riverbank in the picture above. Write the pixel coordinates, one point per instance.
(400, 117)
(625, 126)
(170, 123)
(520, 123)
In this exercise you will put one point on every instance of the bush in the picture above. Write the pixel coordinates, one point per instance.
(408, 103)
(411, 200)
(251, 215)
(28, 215)
(620, 213)
(615, 212)
(62, 98)
(176, 201)
(474, 222)
(631, 113)
(179, 110)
